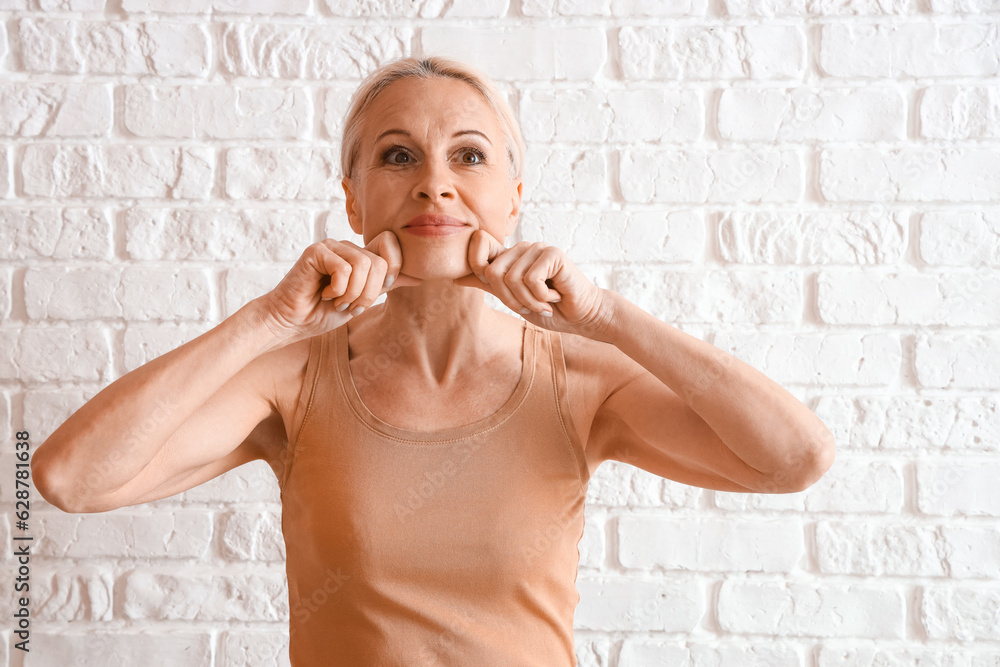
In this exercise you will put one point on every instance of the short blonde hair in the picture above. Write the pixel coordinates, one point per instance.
(427, 68)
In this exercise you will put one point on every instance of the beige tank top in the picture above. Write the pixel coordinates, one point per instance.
(451, 547)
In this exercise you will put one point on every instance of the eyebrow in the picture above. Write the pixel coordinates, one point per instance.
(457, 134)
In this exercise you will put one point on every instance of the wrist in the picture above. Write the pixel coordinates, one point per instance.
(252, 325)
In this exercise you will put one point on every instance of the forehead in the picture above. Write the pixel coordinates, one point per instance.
(429, 105)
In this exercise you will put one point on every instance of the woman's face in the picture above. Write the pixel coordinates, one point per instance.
(432, 168)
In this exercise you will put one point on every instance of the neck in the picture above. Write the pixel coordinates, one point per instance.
(440, 328)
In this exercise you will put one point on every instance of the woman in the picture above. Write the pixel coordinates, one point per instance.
(433, 453)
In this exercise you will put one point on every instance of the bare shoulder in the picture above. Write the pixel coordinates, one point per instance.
(594, 371)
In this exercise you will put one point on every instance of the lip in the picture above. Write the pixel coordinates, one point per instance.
(434, 224)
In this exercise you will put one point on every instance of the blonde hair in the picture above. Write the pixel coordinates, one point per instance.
(427, 68)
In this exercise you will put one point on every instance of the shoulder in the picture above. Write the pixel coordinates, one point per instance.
(279, 376)
(594, 371)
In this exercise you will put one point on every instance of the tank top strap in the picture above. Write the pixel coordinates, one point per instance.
(319, 351)
(553, 350)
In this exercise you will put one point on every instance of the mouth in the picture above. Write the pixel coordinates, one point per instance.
(434, 224)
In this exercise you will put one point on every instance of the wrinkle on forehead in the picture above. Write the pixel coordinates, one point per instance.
(463, 110)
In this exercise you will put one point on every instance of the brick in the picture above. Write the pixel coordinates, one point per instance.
(902, 50)
(55, 233)
(810, 114)
(851, 485)
(300, 7)
(805, 610)
(833, 655)
(218, 112)
(646, 652)
(874, 236)
(141, 343)
(216, 234)
(51, 170)
(251, 536)
(177, 534)
(71, 5)
(149, 293)
(72, 294)
(963, 6)
(39, 354)
(522, 53)
(5, 293)
(619, 484)
(418, 8)
(4, 173)
(55, 110)
(617, 8)
(245, 285)
(568, 176)
(820, 7)
(870, 549)
(6, 432)
(168, 6)
(957, 612)
(110, 47)
(960, 112)
(960, 238)
(717, 176)
(963, 360)
(592, 545)
(949, 487)
(252, 482)
(710, 53)
(912, 422)
(592, 116)
(154, 649)
(910, 174)
(254, 647)
(295, 51)
(955, 299)
(84, 593)
(700, 544)
(638, 605)
(283, 173)
(205, 595)
(619, 236)
(827, 359)
(731, 296)
(334, 102)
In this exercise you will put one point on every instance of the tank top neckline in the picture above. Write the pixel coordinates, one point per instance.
(443, 436)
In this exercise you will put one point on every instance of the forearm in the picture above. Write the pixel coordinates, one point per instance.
(765, 426)
(112, 437)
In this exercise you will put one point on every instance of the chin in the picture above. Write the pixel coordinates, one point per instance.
(436, 268)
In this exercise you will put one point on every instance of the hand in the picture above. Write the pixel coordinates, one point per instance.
(535, 278)
(330, 283)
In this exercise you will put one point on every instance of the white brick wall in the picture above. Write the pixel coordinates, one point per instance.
(811, 185)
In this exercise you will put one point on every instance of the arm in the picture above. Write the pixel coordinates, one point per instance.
(696, 414)
(200, 388)
(209, 405)
(676, 406)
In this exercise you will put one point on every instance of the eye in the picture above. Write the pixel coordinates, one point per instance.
(472, 156)
(397, 155)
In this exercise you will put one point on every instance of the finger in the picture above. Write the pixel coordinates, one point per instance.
(532, 262)
(496, 275)
(324, 262)
(483, 249)
(386, 245)
(538, 277)
(360, 262)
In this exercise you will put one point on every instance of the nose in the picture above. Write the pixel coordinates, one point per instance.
(433, 182)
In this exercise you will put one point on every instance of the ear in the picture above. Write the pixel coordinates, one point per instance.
(515, 208)
(353, 210)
